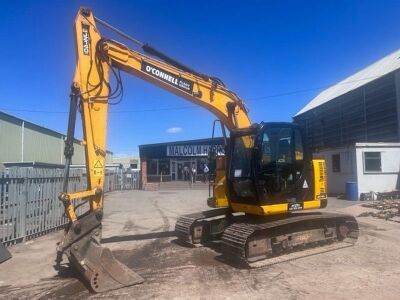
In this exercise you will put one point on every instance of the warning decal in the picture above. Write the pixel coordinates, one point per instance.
(98, 165)
(305, 185)
(98, 168)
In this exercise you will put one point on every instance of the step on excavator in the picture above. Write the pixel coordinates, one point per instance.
(260, 188)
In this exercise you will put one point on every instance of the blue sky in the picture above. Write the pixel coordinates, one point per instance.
(277, 55)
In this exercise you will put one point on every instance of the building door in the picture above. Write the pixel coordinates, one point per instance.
(181, 166)
(173, 170)
(179, 170)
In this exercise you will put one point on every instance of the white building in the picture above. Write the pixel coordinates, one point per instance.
(374, 166)
(355, 126)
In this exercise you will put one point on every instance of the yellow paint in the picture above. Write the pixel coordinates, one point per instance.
(311, 204)
(251, 209)
(263, 210)
(83, 194)
(219, 188)
(70, 212)
(319, 172)
(275, 209)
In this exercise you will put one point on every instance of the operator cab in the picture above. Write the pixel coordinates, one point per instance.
(267, 165)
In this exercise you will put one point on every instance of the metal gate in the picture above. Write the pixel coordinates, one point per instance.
(29, 205)
(122, 180)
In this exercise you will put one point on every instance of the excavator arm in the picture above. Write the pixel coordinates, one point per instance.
(92, 93)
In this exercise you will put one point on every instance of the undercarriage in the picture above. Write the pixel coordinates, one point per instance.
(254, 241)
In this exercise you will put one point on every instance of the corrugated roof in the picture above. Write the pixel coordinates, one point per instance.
(378, 69)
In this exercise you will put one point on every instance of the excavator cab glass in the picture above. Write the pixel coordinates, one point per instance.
(212, 160)
(267, 164)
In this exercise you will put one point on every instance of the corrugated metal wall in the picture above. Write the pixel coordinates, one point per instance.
(41, 147)
(10, 140)
(22, 141)
(79, 155)
(367, 114)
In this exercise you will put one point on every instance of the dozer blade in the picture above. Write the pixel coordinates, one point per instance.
(97, 265)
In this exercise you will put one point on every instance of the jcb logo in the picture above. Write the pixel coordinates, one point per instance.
(295, 206)
(85, 39)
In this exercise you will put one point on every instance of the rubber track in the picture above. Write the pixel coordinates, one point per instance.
(235, 236)
(299, 254)
(185, 223)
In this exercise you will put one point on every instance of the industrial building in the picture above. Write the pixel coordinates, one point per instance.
(127, 161)
(25, 142)
(355, 126)
(165, 161)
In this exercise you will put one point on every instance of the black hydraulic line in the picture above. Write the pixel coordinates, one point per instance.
(69, 142)
(154, 52)
(224, 133)
(127, 36)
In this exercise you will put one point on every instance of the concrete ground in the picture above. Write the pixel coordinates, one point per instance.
(138, 227)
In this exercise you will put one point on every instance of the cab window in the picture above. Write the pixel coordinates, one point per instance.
(299, 151)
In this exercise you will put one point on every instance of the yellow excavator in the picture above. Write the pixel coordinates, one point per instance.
(261, 186)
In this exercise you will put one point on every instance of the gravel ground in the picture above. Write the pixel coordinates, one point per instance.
(138, 227)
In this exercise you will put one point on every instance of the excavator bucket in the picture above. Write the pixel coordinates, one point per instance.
(100, 268)
(97, 265)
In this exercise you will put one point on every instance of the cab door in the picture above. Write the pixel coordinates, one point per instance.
(280, 169)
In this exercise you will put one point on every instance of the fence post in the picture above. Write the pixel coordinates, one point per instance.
(24, 204)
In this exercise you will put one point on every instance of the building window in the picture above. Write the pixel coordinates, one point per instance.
(200, 165)
(336, 163)
(372, 162)
(152, 167)
(133, 166)
(163, 167)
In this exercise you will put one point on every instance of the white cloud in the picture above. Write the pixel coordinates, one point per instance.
(174, 130)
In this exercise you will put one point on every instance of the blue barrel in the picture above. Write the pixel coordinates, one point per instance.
(351, 190)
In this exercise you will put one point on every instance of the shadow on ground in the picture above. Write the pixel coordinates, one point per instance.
(138, 237)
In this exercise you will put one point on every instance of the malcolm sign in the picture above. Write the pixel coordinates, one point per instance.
(194, 150)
